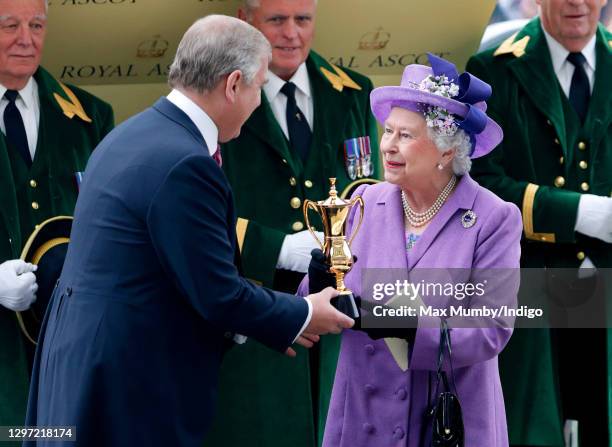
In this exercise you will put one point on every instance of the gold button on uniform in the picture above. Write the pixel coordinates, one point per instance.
(292, 181)
(559, 182)
(548, 122)
(583, 164)
(297, 226)
(295, 203)
(35, 205)
(580, 255)
(584, 186)
(561, 160)
(284, 161)
(33, 183)
(308, 184)
(582, 145)
(557, 141)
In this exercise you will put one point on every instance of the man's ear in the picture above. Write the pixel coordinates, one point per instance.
(242, 15)
(232, 85)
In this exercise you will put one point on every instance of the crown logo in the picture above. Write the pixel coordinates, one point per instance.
(155, 47)
(374, 40)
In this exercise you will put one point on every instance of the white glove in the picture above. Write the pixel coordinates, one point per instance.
(17, 285)
(595, 217)
(295, 251)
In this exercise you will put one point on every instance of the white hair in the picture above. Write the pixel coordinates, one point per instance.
(212, 48)
(462, 163)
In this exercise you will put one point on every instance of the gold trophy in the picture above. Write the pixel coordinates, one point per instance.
(334, 212)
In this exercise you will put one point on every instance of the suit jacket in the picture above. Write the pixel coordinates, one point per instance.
(546, 161)
(149, 295)
(271, 184)
(65, 141)
(383, 404)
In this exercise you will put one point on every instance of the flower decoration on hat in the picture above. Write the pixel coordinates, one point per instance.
(438, 117)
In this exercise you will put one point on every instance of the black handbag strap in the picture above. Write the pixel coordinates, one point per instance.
(445, 345)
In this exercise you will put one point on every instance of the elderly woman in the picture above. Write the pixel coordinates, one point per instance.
(429, 214)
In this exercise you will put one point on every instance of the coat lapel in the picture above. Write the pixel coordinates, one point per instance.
(331, 110)
(535, 73)
(8, 210)
(462, 199)
(601, 99)
(394, 254)
(264, 126)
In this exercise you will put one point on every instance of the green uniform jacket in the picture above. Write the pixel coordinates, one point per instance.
(30, 196)
(265, 398)
(547, 159)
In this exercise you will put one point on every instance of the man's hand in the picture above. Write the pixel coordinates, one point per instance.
(17, 285)
(325, 318)
(306, 340)
(595, 217)
(295, 251)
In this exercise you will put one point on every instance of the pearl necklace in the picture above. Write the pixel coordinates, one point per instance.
(419, 219)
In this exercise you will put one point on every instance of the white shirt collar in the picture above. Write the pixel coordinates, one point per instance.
(200, 118)
(28, 94)
(299, 78)
(558, 53)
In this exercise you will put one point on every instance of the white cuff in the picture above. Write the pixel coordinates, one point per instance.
(307, 322)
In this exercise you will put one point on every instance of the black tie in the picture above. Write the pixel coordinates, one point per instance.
(15, 130)
(299, 130)
(580, 91)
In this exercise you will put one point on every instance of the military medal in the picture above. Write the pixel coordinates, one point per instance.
(358, 157)
(351, 158)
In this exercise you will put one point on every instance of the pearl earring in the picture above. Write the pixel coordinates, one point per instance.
(440, 166)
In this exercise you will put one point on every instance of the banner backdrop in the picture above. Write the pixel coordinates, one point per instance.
(117, 42)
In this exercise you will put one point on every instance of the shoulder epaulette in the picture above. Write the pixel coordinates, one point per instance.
(340, 79)
(509, 46)
(73, 108)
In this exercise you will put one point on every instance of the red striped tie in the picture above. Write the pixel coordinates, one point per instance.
(217, 156)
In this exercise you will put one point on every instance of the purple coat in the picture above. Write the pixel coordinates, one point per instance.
(374, 402)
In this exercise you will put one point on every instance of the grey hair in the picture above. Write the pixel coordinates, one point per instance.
(462, 163)
(215, 46)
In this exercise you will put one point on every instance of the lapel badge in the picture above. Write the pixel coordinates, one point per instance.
(468, 219)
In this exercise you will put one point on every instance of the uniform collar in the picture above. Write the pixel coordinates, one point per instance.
(558, 53)
(28, 94)
(200, 118)
(299, 78)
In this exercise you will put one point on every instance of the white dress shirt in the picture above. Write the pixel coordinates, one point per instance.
(564, 69)
(210, 133)
(278, 100)
(28, 104)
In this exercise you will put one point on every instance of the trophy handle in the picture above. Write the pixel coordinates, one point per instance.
(310, 205)
(357, 200)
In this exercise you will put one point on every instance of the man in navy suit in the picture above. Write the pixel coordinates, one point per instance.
(150, 297)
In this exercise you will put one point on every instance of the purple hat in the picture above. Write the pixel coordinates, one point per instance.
(448, 101)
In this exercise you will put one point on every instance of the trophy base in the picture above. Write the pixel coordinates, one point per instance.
(345, 303)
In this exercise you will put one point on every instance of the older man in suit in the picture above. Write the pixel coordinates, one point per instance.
(551, 95)
(314, 123)
(48, 130)
(150, 297)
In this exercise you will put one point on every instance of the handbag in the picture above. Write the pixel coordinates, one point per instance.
(444, 420)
